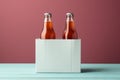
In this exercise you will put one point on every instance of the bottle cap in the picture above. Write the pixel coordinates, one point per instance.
(48, 14)
(69, 15)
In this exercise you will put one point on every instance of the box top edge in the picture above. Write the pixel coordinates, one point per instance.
(55, 39)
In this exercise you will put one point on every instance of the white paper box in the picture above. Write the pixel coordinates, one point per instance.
(58, 55)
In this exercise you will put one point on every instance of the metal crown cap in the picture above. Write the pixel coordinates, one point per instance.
(48, 14)
(69, 15)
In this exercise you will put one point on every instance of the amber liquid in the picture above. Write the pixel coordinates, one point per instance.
(70, 32)
(48, 31)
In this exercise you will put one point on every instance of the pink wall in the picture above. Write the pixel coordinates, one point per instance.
(97, 22)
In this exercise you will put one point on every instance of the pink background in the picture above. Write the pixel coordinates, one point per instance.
(97, 22)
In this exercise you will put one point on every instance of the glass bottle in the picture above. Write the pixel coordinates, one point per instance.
(48, 31)
(70, 31)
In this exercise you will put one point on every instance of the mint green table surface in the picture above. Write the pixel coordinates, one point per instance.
(89, 72)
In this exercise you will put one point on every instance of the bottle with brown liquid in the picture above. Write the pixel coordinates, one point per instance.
(48, 31)
(70, 31)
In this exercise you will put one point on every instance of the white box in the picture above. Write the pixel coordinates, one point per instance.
(58, 55)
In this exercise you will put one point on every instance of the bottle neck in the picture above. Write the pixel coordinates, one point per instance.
(70, 24)
(47, 23)
(47, 19)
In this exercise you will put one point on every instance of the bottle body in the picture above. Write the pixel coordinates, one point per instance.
(70, 31)
(48, 31)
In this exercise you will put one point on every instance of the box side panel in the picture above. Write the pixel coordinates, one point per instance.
(76, 55)
(40, 48)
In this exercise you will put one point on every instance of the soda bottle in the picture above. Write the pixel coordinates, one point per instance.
(70, 31)
(48, 31)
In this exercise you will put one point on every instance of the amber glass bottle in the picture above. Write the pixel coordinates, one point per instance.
(48, 31)
(70, 31)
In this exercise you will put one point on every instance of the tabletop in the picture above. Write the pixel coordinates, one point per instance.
(26, 71)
